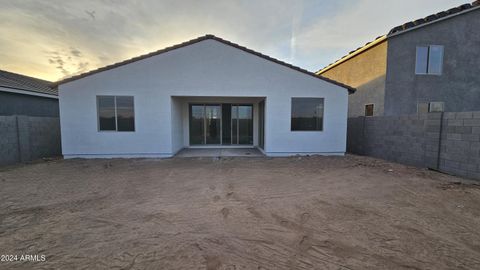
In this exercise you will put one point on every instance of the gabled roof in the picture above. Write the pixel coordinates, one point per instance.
(404, 28)
(24, 83)
(196, 40)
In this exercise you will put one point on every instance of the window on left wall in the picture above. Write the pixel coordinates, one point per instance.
(115, 113)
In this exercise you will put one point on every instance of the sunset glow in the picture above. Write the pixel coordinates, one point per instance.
(57, 39)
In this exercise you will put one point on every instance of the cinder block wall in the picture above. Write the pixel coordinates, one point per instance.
(448, 142)
(25, 138)
(9, 151)
(460, 144)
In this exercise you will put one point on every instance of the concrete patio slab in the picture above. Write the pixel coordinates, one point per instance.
(220, 152)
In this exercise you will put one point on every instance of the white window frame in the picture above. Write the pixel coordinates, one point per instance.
(323, 114)
(116, 118)
(428, 60)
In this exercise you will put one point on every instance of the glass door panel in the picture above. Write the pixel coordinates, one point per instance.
(197, 125)
(226, 124)
(234, 124)
(213, 120)
(261, 124)
(245, 125)
(242, 124)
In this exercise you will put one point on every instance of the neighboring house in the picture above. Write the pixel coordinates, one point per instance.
(430, 64)
(23, 95)
(207, 92)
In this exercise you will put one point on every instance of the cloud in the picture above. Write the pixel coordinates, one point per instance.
(91, 14)
(328, 38)
(36, 35)
(67, 62)
(76, 52)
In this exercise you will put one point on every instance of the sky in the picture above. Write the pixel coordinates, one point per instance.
(54, 39)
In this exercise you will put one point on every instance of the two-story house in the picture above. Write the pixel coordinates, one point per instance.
(430, 64)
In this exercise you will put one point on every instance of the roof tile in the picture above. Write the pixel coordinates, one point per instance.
(26, 83)
(433, 17)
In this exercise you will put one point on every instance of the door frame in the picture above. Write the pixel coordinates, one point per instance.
(204, 123)
(238, 122)
(204, 145)
(261, 124)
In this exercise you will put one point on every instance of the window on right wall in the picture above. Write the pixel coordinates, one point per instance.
(369, 109)
(307, 114)
(429, 60)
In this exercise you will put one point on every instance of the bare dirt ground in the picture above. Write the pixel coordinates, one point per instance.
(238, 213)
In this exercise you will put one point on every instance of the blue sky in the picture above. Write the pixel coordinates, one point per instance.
(59, 38)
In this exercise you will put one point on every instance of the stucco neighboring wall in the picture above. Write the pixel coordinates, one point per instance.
(20, 104)
(458, 86)
(365, 72)
(209, 69)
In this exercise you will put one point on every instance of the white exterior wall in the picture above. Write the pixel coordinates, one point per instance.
(205, 69)
(177, 125)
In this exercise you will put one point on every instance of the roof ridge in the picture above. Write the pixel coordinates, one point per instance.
(193, 41)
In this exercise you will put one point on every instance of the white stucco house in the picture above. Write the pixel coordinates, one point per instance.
(206, 92)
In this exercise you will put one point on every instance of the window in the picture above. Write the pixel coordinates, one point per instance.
(422, 107)
(429, 60)
(426, 107)
(307, 114)
(435, 106)
(115, 113)
(369, 109)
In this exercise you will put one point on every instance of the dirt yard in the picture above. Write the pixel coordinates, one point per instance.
(237, 213)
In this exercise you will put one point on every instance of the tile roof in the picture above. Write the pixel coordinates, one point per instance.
(433, 17)
(196, 40)
(26, 83)
(406, 26)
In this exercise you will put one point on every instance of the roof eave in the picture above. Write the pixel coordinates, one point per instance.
(27, 92)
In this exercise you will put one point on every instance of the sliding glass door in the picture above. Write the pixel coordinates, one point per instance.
(225, 124)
